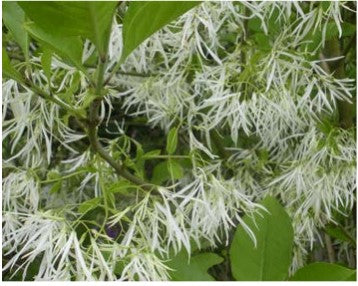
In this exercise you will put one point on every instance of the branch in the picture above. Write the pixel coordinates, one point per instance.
(96, 147)
(92, 132)
(330, 249)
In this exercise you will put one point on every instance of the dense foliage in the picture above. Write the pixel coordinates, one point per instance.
(179, 140)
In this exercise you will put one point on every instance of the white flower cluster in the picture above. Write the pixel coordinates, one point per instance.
(271, 103)
(278, 96)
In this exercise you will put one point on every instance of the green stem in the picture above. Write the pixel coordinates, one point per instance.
(100, 76)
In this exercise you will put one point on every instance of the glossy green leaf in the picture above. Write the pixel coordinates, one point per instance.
(90, 20)
(172, 140)
(143, 18)
(46, 59)
(195, 269)
(270, 259)
(322, 271)
(8, 70)
(89, 205)
(14, 19)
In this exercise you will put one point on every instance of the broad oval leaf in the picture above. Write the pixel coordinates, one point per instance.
(270, 259)
(14, 19)
(143, 18)
(90, 20)
(322, 271)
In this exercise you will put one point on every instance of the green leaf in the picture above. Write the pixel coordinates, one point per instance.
(172, 140)
(56, 187)
(139, 161)
(90, 20)
(270, 259)
(89, 205)
(14, 19)
(143, 18)
(263, 42)
(46, 59)
(195, 269)
(167, 170)
(152, 154)
(337, 232)
(8, 70)
(122, 187)
(322, 271)
(53, 175)
(255, 25)
(68, 48)
(175, 169)
(315, 37)
(160, 173)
